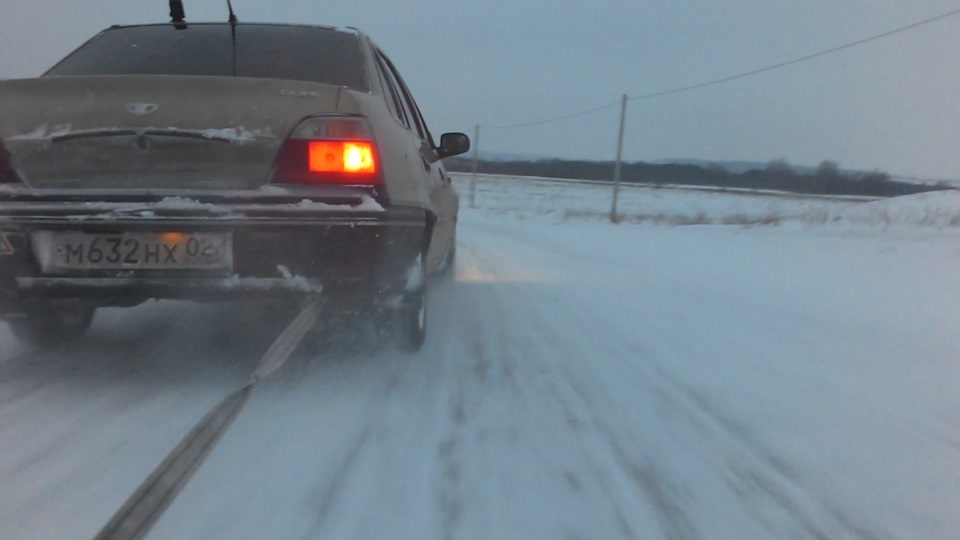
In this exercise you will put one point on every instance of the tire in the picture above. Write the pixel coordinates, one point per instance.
(49, 326)
(449, 259)
(410, 322)
(410, 316)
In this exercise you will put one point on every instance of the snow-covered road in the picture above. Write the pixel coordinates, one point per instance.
(581, 381)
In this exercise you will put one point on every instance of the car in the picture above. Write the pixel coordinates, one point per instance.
(219, 161)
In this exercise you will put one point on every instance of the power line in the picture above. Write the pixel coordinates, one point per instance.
(557, 119)
(742, 75)
(796, 60)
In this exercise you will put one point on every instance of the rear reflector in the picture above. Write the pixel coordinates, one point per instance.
(5, 247)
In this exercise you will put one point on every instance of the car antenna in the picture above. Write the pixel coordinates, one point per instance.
(233, 17)
(177, 15)
(233, 34)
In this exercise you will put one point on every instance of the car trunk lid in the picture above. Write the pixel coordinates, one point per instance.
(152, 132)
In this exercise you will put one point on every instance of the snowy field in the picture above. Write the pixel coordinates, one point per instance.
(669, 377)
(559, 200)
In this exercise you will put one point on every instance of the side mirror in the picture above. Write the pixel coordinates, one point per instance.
(453, 144)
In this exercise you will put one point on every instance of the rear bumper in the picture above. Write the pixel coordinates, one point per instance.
(157, 287)
(283, 245)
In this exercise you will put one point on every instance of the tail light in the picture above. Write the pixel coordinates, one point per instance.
(329, 150)
(7, 172)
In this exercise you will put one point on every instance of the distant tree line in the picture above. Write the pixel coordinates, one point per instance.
(827, 179)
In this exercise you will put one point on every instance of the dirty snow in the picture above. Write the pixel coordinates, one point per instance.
(147, 210)
(415, 275)
(287, 282)
(43, 131)
(180, 203)
(237, 135)
(297, 282)
(581, 380)
(367, 204)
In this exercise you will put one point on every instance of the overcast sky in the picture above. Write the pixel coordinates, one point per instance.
(892, 104)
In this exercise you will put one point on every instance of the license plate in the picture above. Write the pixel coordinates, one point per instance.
(134, 251)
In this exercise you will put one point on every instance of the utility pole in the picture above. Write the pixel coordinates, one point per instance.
(616, 169)
(177, 14)
(473, 177)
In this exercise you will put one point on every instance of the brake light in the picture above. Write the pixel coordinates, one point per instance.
(342, 157)
(329, 150)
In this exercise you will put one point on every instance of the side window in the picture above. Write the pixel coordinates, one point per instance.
(394, 102)
(409, 111)
(411, 105)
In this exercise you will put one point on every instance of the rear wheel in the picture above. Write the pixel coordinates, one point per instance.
(410, 316)
(450, 258)
(50, 325)
(410, 321)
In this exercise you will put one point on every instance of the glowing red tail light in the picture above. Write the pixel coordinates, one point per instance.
(342, 157)
(329, 150)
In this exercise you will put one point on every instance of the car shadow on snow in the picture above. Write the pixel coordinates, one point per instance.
(158, 343)
(218, 345)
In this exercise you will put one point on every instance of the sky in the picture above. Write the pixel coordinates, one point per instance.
(890, 104)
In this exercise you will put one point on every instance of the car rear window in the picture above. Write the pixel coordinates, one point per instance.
(263, 51)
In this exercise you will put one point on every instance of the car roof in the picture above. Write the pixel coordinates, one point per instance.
(344, 29)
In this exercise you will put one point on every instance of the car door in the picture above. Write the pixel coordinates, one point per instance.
(443, 197)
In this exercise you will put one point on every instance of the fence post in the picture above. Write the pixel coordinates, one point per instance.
(616, 168)
(473, 176)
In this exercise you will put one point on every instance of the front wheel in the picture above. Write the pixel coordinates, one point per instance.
(49, 326)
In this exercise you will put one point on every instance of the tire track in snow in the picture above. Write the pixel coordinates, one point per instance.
(778, 481)
(752, 468)
(450, 499)
(127, 376)
(7, 363)
(47, 375)
(651, 482)
(332, 489)
(538, 359)
(491, 376)
(20, 370)
(775, 482)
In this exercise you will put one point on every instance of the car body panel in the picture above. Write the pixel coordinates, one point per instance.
(421, 156)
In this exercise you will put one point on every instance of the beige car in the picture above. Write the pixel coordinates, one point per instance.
(218, 161)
